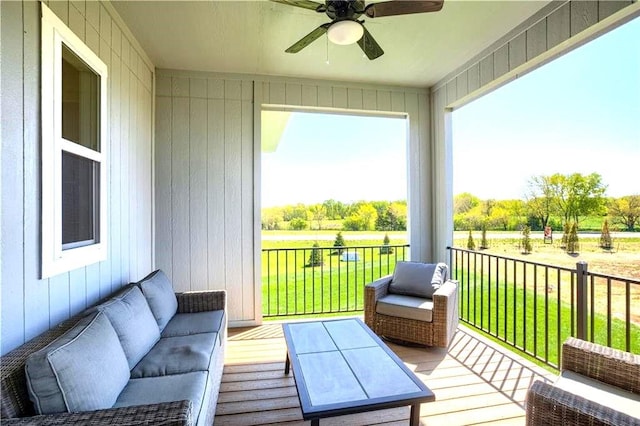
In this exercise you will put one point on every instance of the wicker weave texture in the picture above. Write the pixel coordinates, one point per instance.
(176, 413)
(201, 301)
(438, 332)
(548, 405)
(608, 365)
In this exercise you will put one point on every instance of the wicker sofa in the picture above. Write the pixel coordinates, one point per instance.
(410, 314)
(170, 378)
(597, 385)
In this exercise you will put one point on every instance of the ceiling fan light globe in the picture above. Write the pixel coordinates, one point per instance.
(345, 32)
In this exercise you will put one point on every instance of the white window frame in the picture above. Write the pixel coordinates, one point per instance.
(55, 259)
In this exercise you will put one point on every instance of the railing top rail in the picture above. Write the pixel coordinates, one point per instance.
(544, 265)
(615, 278)
(336, 247)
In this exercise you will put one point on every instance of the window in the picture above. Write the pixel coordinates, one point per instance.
(74, 83)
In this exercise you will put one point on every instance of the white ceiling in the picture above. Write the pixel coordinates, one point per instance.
(250, 37)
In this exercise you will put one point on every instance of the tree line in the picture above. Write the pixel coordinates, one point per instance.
(557, 201)
(332, 214)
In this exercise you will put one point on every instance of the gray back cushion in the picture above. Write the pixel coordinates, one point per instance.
(418, 279)
(84, 369)
(162, 300)
(134, 323)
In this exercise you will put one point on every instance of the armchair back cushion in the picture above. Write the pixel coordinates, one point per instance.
(418, 279)
(162, 300)
(85, 369)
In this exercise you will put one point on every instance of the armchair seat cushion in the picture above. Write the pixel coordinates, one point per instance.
(599, 392)
(409, 307)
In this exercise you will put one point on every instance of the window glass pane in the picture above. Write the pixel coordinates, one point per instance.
(80, 177)
(80, 101)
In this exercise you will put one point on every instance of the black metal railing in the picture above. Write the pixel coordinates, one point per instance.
(534, 307)
(323, 280)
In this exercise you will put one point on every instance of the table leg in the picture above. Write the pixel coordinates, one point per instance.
(415, 415)
(287, 365)
(315, 422)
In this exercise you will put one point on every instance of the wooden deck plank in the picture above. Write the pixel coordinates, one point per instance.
(475, 382)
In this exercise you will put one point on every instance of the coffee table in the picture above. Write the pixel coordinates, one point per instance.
(341, 367)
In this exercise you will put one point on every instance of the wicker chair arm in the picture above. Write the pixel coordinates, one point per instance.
(176, 413)
(372, 292)
(445, 313)
(549, 405)
(608, 365)
(201, 301)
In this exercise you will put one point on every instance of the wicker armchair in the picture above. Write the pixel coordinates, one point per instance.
(602, 368)
(437, 332)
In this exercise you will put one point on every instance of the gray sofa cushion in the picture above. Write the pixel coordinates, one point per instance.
(158, 290)
(194, 323)
(69, 374)
(410, 307)
(153, 390)
(417, 279)
(133, 321)
(176, 355)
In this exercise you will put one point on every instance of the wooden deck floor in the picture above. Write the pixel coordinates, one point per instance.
(475, 382)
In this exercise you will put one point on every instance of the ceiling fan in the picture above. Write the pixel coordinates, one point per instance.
(345, 28)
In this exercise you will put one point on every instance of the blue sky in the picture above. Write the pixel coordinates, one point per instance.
(341, 157)
(579, 113)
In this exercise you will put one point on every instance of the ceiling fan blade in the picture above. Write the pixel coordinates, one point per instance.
(306, 4)
(308, 39)
(369, 46)
(401, 7)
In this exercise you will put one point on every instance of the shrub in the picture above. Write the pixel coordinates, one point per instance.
(605, 236)
(315, 259)
(572, 239)
(484, 244)
(298, 224)
(338, 242)
(471, 245)
(385, 249)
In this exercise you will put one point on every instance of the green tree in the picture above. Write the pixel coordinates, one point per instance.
(318, 214)
(572, 239)
(625, 211)
(464, 202)
(363, 219)
(298, 224)
(540, 199)
(576, 195)
(338, 243)
(605, 236)
(526, 240)
(471, 245)
(315, 259)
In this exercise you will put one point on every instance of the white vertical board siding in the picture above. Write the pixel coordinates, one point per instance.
(31, 305)
(204, 154)
(216, 185)
(527, 47)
